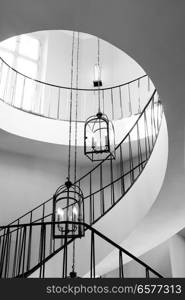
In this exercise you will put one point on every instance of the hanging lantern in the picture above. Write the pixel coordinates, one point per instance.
(99, 138)
(68, 211)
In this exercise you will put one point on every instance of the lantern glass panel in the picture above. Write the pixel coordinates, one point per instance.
(67, 210)
(99, 138)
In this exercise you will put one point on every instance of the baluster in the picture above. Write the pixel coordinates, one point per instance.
(120, 100)
(154, 120)
(121, 163)
(93, 213)
(102, 204)
(21, 248)
(139, 98)
(147, 272)
(112, 184)
(156, 105)
(131, 164)
(0, 244)
(121, 272)
(158, 111)
(42, 251)
(22, 95)
(152, 124)
(148, 83)
(7, 253)
(41, 233)
(49, 106)
(129, 99)
(34, 99)
(147, 132)
(92, 257)
(24, 249)
(90, 204)
(6, 85)
(64, 273)
(19, 251)
(29, 243)
(13, 90)
(16, 249)
(140, 161)
(51, 235)
(3, 249)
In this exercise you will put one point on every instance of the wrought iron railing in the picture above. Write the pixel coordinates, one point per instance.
(22, 262)
(52, 101)
(103, 187)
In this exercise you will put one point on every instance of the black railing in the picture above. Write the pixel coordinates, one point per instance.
(20, 263)
(52, 101)
(103, 187)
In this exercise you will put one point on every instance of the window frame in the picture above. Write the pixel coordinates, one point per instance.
(16, 54)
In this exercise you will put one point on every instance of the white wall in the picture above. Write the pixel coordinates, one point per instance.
(136, 204)
(121, 220)
(157, 258)
(51, 131)
(117, 66)
(177, 255)
(25, 183)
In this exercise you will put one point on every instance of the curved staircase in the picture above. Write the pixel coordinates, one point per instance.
(27, 246)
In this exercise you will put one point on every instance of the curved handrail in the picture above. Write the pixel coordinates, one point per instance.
(50, 97)
(98, 166)
(122, 141)
(94, 232)
(71, 88)
(101, 196)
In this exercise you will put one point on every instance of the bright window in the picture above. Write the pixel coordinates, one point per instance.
(29, 47)
(21, 53)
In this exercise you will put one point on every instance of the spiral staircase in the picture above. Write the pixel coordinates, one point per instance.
(27, 247)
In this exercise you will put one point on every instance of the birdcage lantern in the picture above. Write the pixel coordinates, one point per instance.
(99, 138)
(68, 211)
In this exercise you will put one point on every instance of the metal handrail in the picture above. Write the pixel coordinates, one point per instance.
(73, 88)
(52, 106)
(140, 166)
(95, 231)
(97, 166)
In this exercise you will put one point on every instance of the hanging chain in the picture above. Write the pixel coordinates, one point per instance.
(76, 130)
(98, 60)
(76, 108)
(71, 98)
(98, 57)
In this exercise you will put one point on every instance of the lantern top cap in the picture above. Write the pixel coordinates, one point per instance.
(99, 115)
(68, 183)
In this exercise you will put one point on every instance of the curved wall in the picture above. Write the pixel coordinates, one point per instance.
(121, 220)
(153, 33)
(47, 130)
